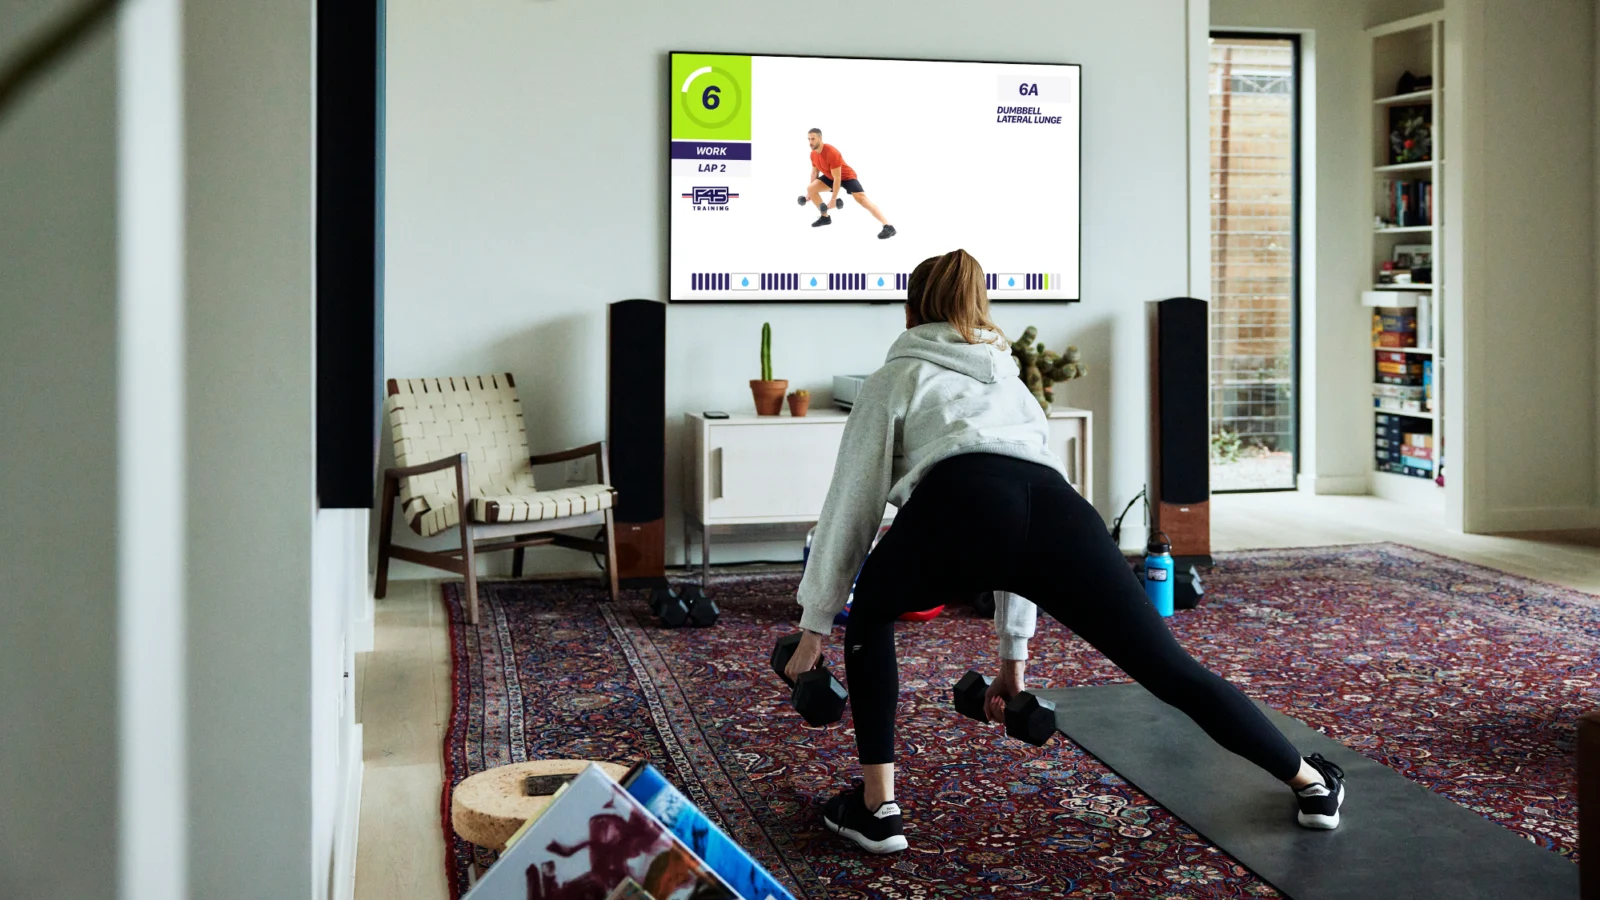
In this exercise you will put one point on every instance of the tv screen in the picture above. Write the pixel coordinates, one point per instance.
(804, 178)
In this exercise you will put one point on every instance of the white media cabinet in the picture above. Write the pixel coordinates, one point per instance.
(772, 472)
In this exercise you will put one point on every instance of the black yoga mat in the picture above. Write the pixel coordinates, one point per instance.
(1397, 840)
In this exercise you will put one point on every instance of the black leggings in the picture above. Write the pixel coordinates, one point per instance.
(981, 522)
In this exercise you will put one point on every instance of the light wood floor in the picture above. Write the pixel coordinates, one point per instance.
(403, 685)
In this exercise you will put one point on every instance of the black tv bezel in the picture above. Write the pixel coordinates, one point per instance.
(874, 301)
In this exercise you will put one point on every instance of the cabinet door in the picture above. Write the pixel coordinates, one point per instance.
(1068, 442)
(771, 472)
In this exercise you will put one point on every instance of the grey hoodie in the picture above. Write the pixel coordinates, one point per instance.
(935, 397)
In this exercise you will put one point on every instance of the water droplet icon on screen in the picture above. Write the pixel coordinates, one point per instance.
(880, 282)
(813, 282)
(1011, 282)
(744, 282)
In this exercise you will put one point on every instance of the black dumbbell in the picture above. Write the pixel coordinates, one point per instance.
(659, 596)
(816, 695)
(1028, 718)
(691, 607)
(838, 202)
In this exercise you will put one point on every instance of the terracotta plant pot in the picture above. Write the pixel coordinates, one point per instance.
(769, 396)
(799, 403)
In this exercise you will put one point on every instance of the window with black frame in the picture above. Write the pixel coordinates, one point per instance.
(1254, 93)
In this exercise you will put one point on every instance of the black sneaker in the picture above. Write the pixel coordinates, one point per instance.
(878, 831)
(1319, 803)
(821, 221)
(887, 232)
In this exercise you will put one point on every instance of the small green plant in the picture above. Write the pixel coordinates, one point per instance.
(766, 351)
(1226, 447)
(800, 393)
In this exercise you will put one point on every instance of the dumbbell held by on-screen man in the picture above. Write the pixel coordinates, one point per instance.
(838, 202)
(1029, 718)
(816, 695)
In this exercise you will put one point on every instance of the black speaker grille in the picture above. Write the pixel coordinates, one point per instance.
(1183, 344)
(636, 409)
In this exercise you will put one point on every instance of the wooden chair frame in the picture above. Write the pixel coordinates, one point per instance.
(478, 537)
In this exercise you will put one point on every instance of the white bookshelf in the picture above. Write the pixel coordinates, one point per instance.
(1416, 45)
(1405, 166)
(1406, 99)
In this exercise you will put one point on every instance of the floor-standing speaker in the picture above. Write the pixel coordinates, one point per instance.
(1180, 426)
(636, 429)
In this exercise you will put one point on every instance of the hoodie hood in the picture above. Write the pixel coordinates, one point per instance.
(940, 344)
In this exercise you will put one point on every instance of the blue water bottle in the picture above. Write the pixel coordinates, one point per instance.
(1158, 572)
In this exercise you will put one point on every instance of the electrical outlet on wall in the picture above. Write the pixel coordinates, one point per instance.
(575, 471)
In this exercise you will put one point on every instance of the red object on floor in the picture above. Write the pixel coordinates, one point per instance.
(922, 616)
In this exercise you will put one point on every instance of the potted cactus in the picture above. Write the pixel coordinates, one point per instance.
(799, 402)
(768, 393)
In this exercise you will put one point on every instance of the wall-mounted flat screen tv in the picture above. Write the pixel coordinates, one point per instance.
(827, 179)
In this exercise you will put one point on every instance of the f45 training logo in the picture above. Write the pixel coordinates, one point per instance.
(707, 199)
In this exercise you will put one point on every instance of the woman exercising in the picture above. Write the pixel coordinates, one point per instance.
(947, 432)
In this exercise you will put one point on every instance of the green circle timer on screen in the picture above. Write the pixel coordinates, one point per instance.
(713, 98)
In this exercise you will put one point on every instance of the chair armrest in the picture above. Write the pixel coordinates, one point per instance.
(545, 459)
(456, 461)
(602, 458)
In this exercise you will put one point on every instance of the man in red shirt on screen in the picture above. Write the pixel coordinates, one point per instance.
(829, 171)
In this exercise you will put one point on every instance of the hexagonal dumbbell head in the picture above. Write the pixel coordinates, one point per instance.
(1030, 719)
(659, 596)
(819, 698)
(674, 612)
(969, 693)
(703, 611)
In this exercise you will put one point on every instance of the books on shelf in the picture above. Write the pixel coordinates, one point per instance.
(1406, 372)
(1398, 397)
(1424, 321)
(592, 841)
(1408, 204)
(1401, 447)
(712, 844)
(1394, 328)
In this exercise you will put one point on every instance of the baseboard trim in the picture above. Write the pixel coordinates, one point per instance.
(1548, 518)
(1334, 484)
(349, 822)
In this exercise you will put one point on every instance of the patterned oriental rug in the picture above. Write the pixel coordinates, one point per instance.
(1464, 679)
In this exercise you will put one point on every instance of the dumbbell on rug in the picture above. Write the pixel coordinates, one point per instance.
(690, 607)
(1028, 718)
(838, 202)
(817, 696)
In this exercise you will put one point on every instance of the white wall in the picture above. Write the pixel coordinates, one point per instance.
(58, 547)
(175, 631)
(271, 582)
(151, 464)
(1528, 252)
(525, 192)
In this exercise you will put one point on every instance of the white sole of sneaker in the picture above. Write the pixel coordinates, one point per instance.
(892, 844)
(1323, 823)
